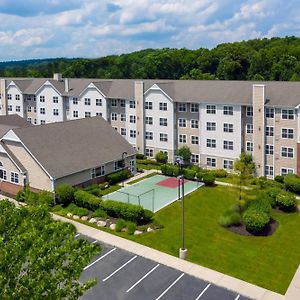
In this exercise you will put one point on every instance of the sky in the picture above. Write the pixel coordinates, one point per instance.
(94, 28)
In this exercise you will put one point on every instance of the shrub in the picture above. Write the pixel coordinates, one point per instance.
(263, 182)
(208, 179)
(200, 174)
(219, 173)
(64, 194)
(23, 194)
(261, 203)
(230, 217)
(292, 183)
(140, 156)
(170, 170)
(189, 174)
(86, 200)
(45, 198)
(279, 178)
(75, 210)
(145, 161)
(272, 193)
(147, 216)
(118, 176)
(161, 157)
(255, 221)
(94, 189)
(99, 213)
(287, 202)
(131, 228)
(120, 225)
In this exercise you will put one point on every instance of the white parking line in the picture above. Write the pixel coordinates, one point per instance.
(169, 287)
(201, 294)
(140, 280)
(112, 250)
(237, 297)
(116, 271)
(78, 234)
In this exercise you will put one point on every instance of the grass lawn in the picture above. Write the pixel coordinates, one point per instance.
(142, 178)
(269, 262)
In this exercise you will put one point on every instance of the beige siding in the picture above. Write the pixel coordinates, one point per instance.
(140, 123)
(9, 167)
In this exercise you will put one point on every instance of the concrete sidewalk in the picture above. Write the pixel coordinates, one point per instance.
(244, 288)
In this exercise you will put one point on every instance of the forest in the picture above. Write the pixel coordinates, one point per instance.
(257, 59)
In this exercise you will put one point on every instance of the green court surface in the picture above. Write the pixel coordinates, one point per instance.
(150, 195)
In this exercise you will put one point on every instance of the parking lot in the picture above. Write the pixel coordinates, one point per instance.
(124, 275)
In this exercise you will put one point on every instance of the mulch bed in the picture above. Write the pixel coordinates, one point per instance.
(241, 229)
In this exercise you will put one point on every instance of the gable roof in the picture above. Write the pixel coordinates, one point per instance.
(11, 121)
(69, 147)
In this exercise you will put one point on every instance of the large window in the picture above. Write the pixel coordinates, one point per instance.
(227, 127)
(148, 105)
(119, 165)
(287, 114)
(87, 101)
(163, 121)
(149, 152)
(228, 110)
(182, 107)
(181, 122)
(210, 109)
(287, 152)
(249, 111)
(228, 145)
(211, 143)
(269, 149)
(194, 139)
(211, 162)
(211, 126)
(269, 112)
(269, 170)
(287, 133)
(149, 135)
(182, 138)
(98, 172)
(285, 171)
(228, 164)
(269, 131)
(149, 120)
(195, 158)
(194, 107)
(98, 102)
(194, 123)
(163, 106)
(163, 137)
(14, 177)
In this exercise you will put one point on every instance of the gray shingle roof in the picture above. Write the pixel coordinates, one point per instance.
(11, 121)
(69, 147)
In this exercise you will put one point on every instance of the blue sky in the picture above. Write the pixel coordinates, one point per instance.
(94, 28)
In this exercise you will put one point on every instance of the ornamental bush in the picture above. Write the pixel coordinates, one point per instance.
(131, 228)
(75, 210)
(261, 203)
(120, 225)
(118, 176)
(255, 220)
(219, 173)
(99, 213)
(292, 183)
(286, 201)
(279, 178)
(170, 170)
(271, 194)
(161, 157)
(140, 156)
(64, 194)
(86, 200)
(208, 179)
(231, 217)
(189, 174)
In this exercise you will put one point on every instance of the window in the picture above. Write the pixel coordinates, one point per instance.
(181, 122)
(194, 139)
(132, 119)
(98, 102)
(34, 98)
(87, 114)
(75, 113)
(98, 114)
(34, 122)
(269, 149)
(194, 108)
(118, 164)
(28, 108)
(9, 108)
(269, 170)
(195, 158)
(211, 162)
(228, 145)
(114, 116)
(43, 122)
(132, 104)
(182, 107)
(285, 171)
(42, 98)
(14, 177)
(122, 103)
(211, 126)
(34, 109)
(75, 101)
(149, 135)
(149, 152)
(55, 99)
(87, 101)
(148, 105)
(287, 152)
(114, 103)
(182, 138)
(98, 172)
(249, 128)
(3, 175)
(29, 120)
(269, 131)
(163, 121)
(249, 111)
(123, 117)
(163, 106)
(149, 120)
(228, 164)
(17, 97)
(132, 133)
(287, 133)
(42, 111)
(211, 109)
(228, 110)
(269, 112)
(163, 137)
(18, 108)
(287, 114)
(9, 97)
(249, 146)
(211, 143)
(55, 112)
(194, 123)
(227, 127)
(123, 131)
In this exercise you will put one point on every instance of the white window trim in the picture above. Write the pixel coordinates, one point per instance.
(287, 152)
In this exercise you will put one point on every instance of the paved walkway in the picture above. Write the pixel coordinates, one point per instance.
(228, 282)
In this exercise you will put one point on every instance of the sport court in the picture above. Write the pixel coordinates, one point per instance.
(153, 193)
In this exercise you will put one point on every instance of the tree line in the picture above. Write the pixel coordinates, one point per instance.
(257, 59)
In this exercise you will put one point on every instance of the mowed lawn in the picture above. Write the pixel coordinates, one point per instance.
(269, 262)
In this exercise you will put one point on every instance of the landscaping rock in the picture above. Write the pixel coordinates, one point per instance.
(112, 226)
(93, 220)
(69, 215)
(101, 223)
(149, 229)
(84, 218)
(75, 217)
(137, 232)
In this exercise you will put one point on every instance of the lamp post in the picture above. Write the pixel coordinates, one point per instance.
(124, 165)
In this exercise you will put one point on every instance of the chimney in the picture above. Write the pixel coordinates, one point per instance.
(66, 85)
(57, 76)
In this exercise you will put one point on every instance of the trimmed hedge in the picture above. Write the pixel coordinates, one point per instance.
(118, 176)
(219, 173)
(292, 183)
(286, 201)
(170, 170)
(255, 221)
(87, 200)
(271, 195)
(64, 194)
(208, 179)
(189, 174)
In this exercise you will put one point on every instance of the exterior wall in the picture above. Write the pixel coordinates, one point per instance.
(30, 104)
(49, 92)
(13, 103)
(139, 102)
(130, 126)
(219, 162)
(118, 124)
(3, 98)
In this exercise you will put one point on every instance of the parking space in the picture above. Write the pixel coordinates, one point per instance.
(124, 275)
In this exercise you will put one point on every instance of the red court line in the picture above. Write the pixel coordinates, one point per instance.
(171, 182)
